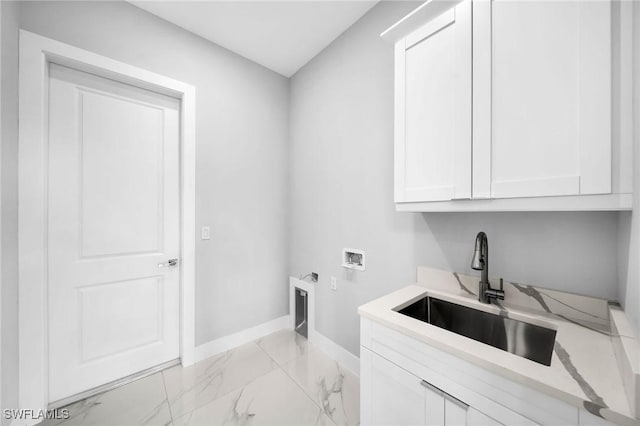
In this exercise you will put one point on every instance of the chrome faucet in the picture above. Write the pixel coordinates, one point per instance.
(480, 262)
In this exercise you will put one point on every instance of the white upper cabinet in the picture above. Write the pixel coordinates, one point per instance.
(433, 109)
(549, 74)
(509, 105)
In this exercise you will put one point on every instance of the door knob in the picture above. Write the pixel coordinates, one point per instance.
(168, 264)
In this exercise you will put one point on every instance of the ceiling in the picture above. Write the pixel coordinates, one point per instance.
(282, 36)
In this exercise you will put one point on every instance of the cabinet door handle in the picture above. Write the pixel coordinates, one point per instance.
(453, 399)
(456, 401)
(429, 386)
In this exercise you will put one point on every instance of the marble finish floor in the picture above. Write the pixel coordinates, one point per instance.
(280, 379)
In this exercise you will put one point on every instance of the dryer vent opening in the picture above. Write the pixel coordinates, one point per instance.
(301, 325)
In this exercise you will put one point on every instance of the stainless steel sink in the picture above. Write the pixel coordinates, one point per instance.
(520, 338)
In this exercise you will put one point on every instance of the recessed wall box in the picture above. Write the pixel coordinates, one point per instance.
(353, 259)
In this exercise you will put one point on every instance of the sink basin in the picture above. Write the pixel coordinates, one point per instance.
(517, 337)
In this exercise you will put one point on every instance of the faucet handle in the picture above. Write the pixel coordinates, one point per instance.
(495, 293)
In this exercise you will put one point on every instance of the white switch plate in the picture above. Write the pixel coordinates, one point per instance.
(334, 284)
(206, 233)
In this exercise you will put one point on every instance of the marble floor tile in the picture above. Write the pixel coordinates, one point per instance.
(243, 386)
(283, 346)
(143, 402)
(192, 387)
(272, 399)
(330, 385)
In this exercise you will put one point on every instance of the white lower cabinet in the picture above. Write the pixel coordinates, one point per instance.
(404, 381)
(393, 396)
(396, 396)
(476, 418)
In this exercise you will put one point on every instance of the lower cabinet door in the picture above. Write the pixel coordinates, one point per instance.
(434, 405)
(390, 395)
(455, 412)
(393, 396)
(476, 418)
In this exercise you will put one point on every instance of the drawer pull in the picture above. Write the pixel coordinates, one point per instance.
(428, 385)
(453, 399)
(456, 401)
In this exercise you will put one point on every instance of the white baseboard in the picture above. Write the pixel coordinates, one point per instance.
(231, 341)
(337, 352)
(326, 345)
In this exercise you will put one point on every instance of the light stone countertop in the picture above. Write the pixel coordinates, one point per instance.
(583, 371)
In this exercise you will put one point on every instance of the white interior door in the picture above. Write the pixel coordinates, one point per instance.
(113, 219)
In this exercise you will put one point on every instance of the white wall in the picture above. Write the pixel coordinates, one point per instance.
(9, 203)
(241, 149)
(341, 113)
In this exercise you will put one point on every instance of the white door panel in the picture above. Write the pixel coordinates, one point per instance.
(120, 139)
(113, 217)
(115, 317)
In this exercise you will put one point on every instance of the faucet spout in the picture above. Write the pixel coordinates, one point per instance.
(480, 262)
(481, 252)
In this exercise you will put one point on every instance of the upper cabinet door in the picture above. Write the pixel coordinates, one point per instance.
(433, 109)
(542, 98)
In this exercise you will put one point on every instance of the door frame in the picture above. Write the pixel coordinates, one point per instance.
(36, 52)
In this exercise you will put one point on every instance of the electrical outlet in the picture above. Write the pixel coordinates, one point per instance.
(206, 233)
(334, 284)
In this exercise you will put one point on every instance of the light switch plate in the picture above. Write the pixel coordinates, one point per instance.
(206, 233)
(334, 284)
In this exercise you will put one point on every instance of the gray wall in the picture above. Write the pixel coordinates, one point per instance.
(630, 233)
(337, 166)
(341, 113)
(242, 153)
(624, 247)
(9, 178)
